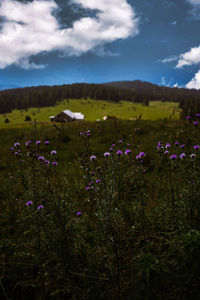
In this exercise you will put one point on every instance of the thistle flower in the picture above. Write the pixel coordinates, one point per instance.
(182, 155)
(197, 115)
(29, 203)
(40, 207)
(92, 157)
(16, 153)
(87, 188)
(106, 154)
(119, 152)
(182, 146)
(120, 141)
(12, 149)
(16, 144)
(38, 142)
(195, 123)
(111, 149)
(54, 163)
(46, 142)
(192, 155)
(173, 156)
(167, 145)
(177, 143)
(53, 152)
(98, 180)
(166, 152)
(196, 147)
(46, 162)
(79, 213)
(127, 151)
(188, 118)
(142, 154)
(41, 158)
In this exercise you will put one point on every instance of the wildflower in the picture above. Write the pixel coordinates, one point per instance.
(196, 147)
(46, 162)
(173, 156)
(29, 203)
(106, 154)
(144, 171)
(88, 134)
(119, 152)
(159, 144)
(93, 173)
(88, 131)
(90, 183)
(27, 144)
(54, 163)
(167, 145)
(92, 157)
(113, 145)
(111, 149)
(46, 142)
(197, 115)
(16, 144)
(188, 118)
(87, 188)
(192, 155)
(16, 153)
(127, 151)
(182, 146)
(79, 213)
(98, 180)
(182, 155)
(195, 123)
(166, 152)
(12, 149)
(53, 152)
(38, 142)
(40, 207)
(120, 141)
(81, 133)
(142, 154)
(41, 158)
(176, 143)
(128, 145)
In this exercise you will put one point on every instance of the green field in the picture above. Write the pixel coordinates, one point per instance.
(93, 110)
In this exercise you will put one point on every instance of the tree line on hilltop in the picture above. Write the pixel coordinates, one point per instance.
(134, 91)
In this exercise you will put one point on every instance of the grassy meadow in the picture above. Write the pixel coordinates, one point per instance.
(93, 110)
(100, 210)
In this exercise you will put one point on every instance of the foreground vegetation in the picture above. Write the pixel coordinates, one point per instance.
(93, 110)
(103, 210)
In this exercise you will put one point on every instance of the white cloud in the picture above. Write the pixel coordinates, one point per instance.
(169, 59)
(194, 83)
(194, 2)
(189, 58)
(31, 28)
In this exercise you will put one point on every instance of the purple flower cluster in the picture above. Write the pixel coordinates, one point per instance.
(140, 155)
(85, 133)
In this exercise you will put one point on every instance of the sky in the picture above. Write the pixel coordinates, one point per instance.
(52, 42)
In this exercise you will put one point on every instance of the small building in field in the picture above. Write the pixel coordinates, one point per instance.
(67, 116)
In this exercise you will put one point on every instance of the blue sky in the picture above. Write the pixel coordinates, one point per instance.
(51, 42)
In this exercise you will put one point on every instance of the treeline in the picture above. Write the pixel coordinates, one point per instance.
(135, 91)
(42, 96)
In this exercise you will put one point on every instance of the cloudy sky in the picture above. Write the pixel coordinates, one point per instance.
(51, 42)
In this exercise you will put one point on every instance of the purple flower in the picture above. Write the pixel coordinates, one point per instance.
(195, 123)
(197, 115)
(27, 144)
(40, 207)
(87, 188)
(173, 156)
(53, 152)
(119, 152)
(46, 142)
(16, 144)
(144, 171)
(176, 143)
(54, 163)
(88, 134)
(127, 151)
(41, 158)
(93, 173)
(98, 180)
(16, 153)
(111, 149)
(166, 152)
(159, 144)
(81, 133)
(120, 141)
(46, 162)
(182, 146)
(182, 155)
(88, 131)
(29, 203)
(90, 183)
(142, 154)
(188, 118)
(113, 145)
(196, 147)
(128, 145)
(106, 154)
(192, 155)
(38, 142)
(167, 145)
(92, 157)
(79, 213)
(12, 149)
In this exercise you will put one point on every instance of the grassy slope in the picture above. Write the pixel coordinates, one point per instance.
(94, 110)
